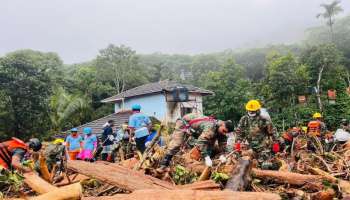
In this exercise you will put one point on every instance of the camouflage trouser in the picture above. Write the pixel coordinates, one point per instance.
(177, 138)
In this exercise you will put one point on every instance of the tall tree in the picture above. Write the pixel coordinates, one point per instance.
(322, 60)
(330, 11)
(26, 85)
(231, 90)
(119, 65)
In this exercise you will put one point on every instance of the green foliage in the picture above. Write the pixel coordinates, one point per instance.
(219, 177)
(10, 182)
(25, 88)
(183, 176)
(118, 66)
(231, 91)
(68, 110)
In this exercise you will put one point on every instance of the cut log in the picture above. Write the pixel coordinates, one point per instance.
(38, 184)
(189, 195)
(322, 173)
(287, 177)
(201, 185)
(240, 177)
(69, 192)
(119, 176)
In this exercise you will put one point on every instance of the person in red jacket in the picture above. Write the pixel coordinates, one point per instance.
(13, 151)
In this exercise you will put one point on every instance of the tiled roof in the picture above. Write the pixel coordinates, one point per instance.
(157, 87)
(97, 125)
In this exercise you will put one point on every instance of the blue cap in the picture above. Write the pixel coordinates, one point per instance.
(87, 130)
(136, 107)
(74, 130)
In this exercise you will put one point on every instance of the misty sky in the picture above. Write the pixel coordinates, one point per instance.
(77, 29)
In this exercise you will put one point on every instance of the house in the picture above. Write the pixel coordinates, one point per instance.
(164, 100)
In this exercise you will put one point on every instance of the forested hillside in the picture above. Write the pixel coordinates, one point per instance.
(41, 96)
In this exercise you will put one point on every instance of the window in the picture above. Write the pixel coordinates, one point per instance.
(185, 110)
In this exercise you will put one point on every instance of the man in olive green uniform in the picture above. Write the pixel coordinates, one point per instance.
(255, 129)
(206, 129)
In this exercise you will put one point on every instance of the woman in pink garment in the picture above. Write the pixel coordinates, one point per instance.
(89, 145)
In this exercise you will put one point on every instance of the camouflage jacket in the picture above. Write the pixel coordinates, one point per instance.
(257, 131)
(209, 135)
(206, 132)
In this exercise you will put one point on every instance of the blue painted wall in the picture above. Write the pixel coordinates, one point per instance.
(152, 105)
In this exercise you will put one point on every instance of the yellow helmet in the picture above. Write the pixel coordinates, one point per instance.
(253, 105)
(58, 141)
(156, 127)
(317, 115)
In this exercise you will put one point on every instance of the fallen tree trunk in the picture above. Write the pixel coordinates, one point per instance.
(344, 185)
(38, 184)
(312, 181)
(201, 185)
(189, 195)
(69, 192)
(119, 176)
(240, 177)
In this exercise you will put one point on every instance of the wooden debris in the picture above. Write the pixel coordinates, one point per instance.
(69, 192)
(205, 175)
(328, 194)
(189, 195)
(38, 184)
(200, 185)
(287, 177)
(119, 176)
(240, 177)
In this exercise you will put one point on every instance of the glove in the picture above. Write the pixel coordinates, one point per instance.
(223, 159)
(110, 137)
(276, 147)
(208, 161)
(238, 146)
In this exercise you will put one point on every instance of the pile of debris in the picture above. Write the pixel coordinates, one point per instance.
(302, 174)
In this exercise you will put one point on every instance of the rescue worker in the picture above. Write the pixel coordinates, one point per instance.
(13, 151)
(139, 125)
(107, 141)
(123, 139)
(258, 134)
(316, 127)
(89, 145)
(289, 136)
(74, 144)
(54, 152)
(206, 129)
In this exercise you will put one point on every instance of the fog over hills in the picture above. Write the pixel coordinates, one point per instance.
(77, 29)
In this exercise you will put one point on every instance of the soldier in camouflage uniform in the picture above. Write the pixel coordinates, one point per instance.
(257, 132)
(206, 129)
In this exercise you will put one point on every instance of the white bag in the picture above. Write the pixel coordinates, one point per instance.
(264, 114)
(341, 135)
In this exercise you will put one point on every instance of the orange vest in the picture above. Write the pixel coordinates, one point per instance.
(6, 150)
(314, 128)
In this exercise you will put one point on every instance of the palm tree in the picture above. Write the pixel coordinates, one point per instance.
(68, 110)
(330, 11)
